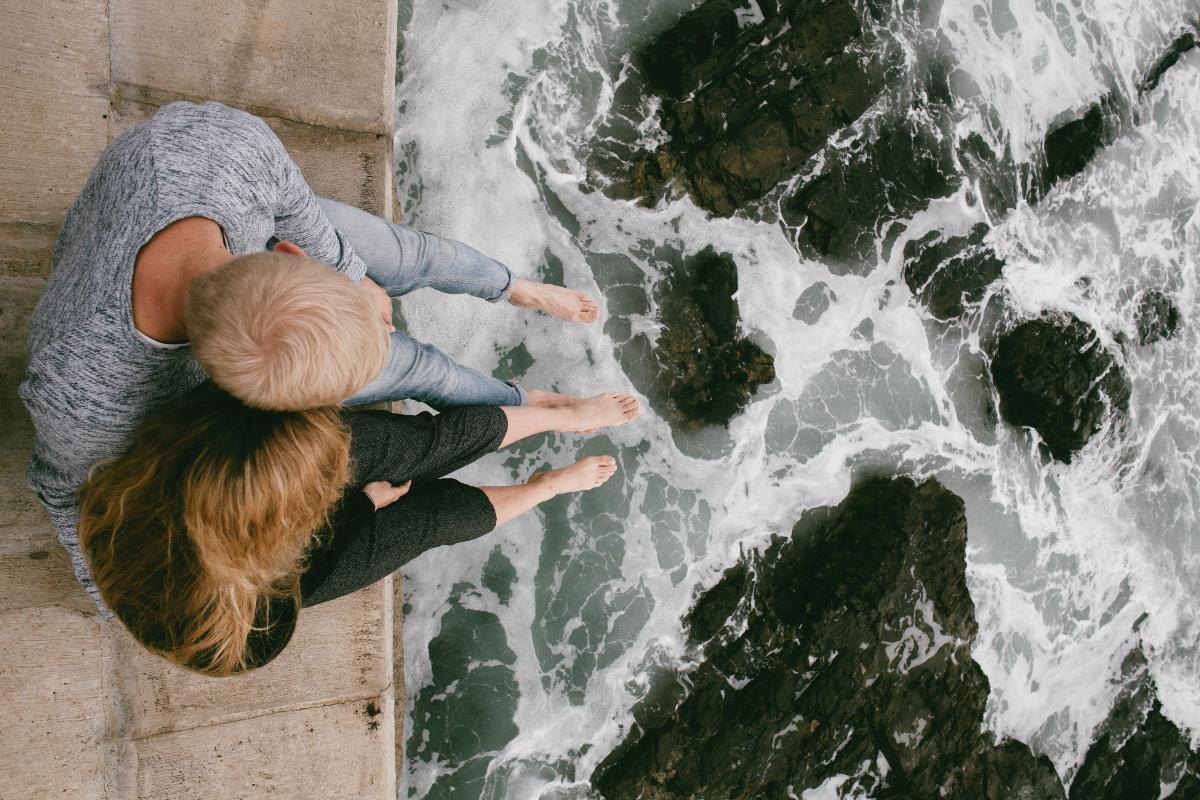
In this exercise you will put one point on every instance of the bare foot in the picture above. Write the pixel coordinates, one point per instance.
(586, 473)
(542, 399)
(604, 411)
(557, 301)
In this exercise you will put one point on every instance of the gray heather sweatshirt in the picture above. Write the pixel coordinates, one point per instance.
(92, 376)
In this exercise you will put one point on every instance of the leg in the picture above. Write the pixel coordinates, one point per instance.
(365, 548)
(511, 502)
(557, 301)
(402, 260)
(601, 411)
(419, 371)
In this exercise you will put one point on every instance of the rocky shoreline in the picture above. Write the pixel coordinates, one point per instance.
(842, 654)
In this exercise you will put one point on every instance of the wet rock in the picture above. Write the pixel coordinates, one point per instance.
(1182, 44)
(1054, 375)
(1071, 146)
(1157, 318)
(1137, 751)
(949, 274)
(747, 99)
(843, 650)
(701, 370)
(840, 213)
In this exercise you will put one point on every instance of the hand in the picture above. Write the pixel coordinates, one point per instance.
(382, 301)
(383, 493)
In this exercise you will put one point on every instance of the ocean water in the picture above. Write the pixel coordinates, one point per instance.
(525, 650)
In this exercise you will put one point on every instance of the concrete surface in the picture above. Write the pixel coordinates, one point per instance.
(87, 713)
(322, 62)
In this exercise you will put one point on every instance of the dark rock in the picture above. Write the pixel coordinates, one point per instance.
(1137, 750)
(1054, 375)
(950, 274)
(813, 303)
(701, 370)
(1157, 318)
(997, 175)
(746, 107)
(839, 214)
(842, 650)
(1070, 147)
(1185, 42)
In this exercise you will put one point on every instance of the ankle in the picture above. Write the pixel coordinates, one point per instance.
(522, 293)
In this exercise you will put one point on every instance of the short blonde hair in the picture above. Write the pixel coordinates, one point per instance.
(285, 333)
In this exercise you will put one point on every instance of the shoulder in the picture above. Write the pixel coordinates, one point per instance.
(86, 394)
(184, 115)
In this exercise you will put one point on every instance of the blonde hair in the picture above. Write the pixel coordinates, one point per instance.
(285, 333)
(196, 536)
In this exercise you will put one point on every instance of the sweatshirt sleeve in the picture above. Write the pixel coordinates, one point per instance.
(300, 220)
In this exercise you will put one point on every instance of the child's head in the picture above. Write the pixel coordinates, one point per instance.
(284, 332)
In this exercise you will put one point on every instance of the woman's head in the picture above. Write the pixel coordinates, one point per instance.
(203, 523)
(281, 331)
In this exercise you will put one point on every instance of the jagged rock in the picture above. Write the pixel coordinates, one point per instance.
(949, 274)
(1157, 318)
(1182, 44)
(1070, 147)
(1138, 751)
(701, 370)
(840, 212)
(842, 650)
(1054, 375)
(747, 101)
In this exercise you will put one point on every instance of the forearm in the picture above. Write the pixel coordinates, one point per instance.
(511, 502)
(300, 220)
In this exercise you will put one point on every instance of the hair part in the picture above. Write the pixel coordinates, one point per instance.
(285, 333)
(199, 531)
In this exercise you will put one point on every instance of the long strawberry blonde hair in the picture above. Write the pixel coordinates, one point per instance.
(196, 535)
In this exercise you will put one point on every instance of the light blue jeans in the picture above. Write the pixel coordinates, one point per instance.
(402, 260)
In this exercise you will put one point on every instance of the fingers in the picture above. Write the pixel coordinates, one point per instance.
(383, 493)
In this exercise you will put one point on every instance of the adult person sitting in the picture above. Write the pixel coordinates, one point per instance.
(208, 535)
(196, 189)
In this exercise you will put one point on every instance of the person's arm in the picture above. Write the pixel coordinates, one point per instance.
(300, 220)
(63, 511)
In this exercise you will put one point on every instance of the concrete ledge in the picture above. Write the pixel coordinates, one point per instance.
(53, 688)
(330, 752)
(88, 713)
(54, 80)
(330, 63)
(25, 248)
(340, 652)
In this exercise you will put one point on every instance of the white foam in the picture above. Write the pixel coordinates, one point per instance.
(1062, 560)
